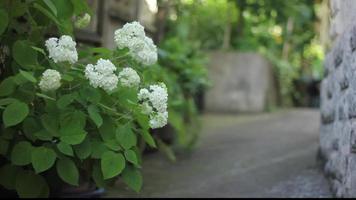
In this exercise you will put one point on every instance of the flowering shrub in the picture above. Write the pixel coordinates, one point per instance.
(73, 111)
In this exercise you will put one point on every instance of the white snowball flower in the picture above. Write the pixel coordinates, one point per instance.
(159, 97)
(50, 81)
(141, 47)
(147, 54)
(102, 75)
(128, 77)
(154, 103)
(143, 94)
(129, 35)
(158, 120)
(62, 49)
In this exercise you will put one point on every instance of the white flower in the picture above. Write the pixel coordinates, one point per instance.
(50, 81)
(143, 94)
(159, 97)
(129, 35)
(146, 53)
(62, 49)
(158, 120)
(83, 21)
(141, 47)
(128, 77)
(102, 75)
(154, 103)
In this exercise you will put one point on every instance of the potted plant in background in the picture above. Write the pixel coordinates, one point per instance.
(73, 118)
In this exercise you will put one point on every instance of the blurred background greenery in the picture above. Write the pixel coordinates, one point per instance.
(288, 33)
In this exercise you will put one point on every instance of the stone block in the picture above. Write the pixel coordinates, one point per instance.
(242, 82)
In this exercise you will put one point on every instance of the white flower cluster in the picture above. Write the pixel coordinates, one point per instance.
(50, 81)
(154, 103)
(62, 49)
(102, 75)
(142, 48)
(128, 77)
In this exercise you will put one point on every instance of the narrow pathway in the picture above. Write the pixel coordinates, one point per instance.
(265, 155)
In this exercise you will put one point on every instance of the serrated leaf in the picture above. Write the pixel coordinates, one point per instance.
(68, 171)
(126, 137)
(83, 150)
(42, 158)
(95, 115)
(7, 86)
(65, 100)
(15, 113)
(51, 6)
(28, 76)
(131, 157)
(65, 148)
(21, 154)
(133, 178)
(112, 164)
(148, 138)
(24, 54)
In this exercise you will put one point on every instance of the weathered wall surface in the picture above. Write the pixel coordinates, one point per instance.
(338, 101)
(241, 82)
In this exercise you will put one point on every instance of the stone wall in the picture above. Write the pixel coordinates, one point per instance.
(338, 101)
(241, 82)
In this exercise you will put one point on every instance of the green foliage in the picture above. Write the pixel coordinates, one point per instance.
(112, 164)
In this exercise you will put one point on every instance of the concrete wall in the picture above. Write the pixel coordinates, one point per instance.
(242, 82)
(338, 101)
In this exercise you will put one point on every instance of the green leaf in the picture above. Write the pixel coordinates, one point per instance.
(39, 50)
(4, 21)
(43, 135)
(95, 115)
(50, 123)
(107, 129)
(72, 135)
(67, 171)
(24, 54)
(81, 7)
(112, 164)
(126, 137)
(148, 138)
(6, 101)
(45, 96)
(8, 175)
(28, 76)
(99, 149)
(131, 157)
(72, 127)
(15, 113)
(65, 100)
(98, 176)
(7, 86)
(90, 94)
(133, 178)
(83, 150)
(30, 126)
(51, 6)
(31, 185)
(21, 154)
(65, 148)
(46, 13)
(42, 158)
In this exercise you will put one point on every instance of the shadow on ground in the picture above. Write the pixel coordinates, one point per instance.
(265, 155)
